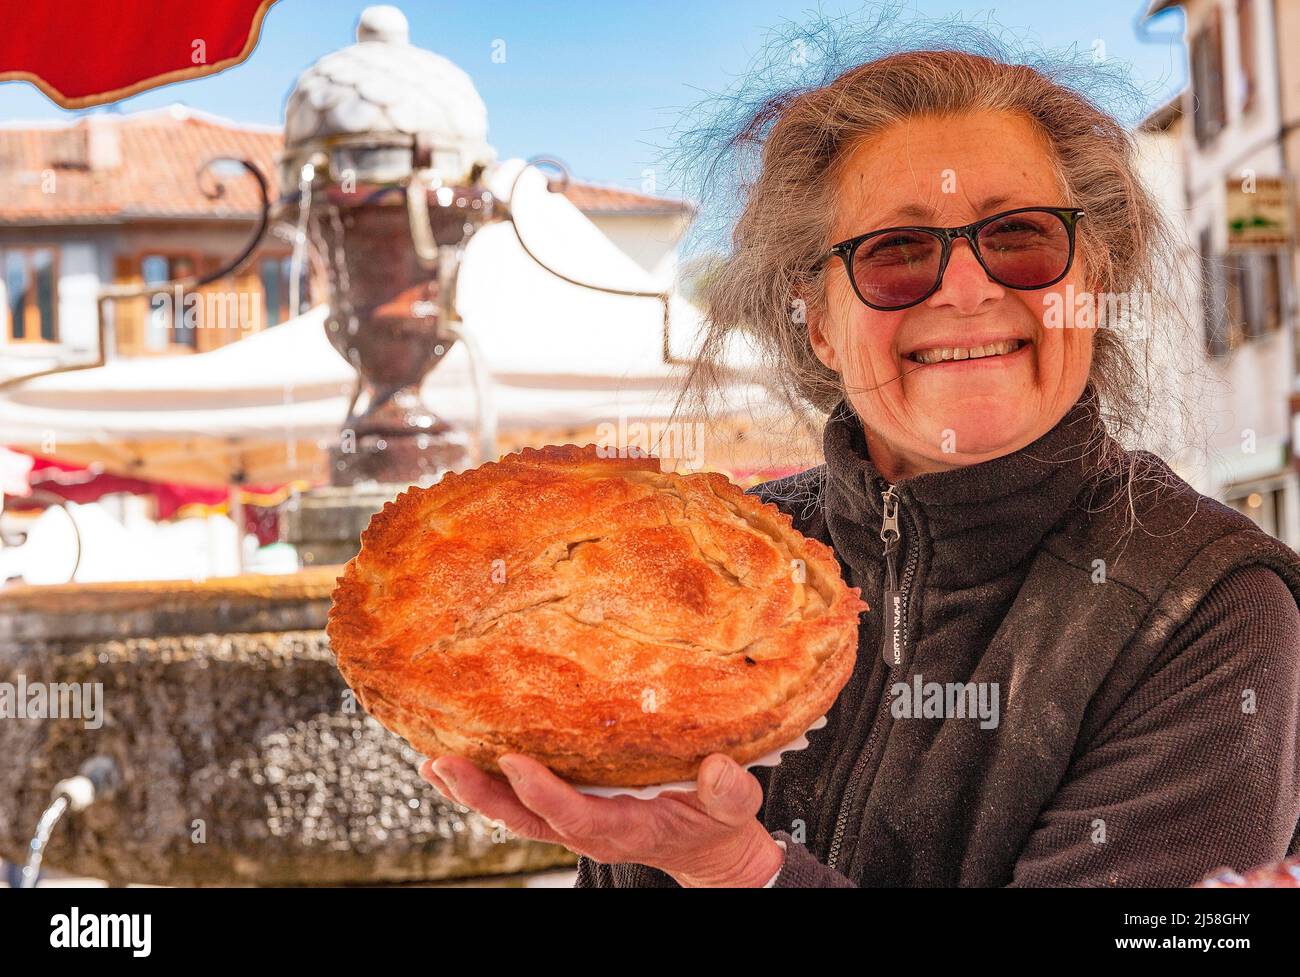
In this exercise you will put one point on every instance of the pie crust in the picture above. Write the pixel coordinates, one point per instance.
(614, 622)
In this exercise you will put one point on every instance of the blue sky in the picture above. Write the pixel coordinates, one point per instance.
(600, 84)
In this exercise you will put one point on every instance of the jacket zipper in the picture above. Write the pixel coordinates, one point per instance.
(894, 634)
(894, 647)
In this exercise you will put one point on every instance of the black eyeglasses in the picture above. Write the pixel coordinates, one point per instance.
(898, 267)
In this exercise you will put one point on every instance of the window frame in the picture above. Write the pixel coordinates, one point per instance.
(28, 301)
(195, 258)
(284, 260)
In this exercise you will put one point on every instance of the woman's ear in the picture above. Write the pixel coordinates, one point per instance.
(824, 350)
(814, 317)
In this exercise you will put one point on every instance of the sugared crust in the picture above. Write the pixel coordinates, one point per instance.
(613, 621)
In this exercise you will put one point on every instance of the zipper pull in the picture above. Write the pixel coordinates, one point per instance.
(889, 524)
(892, 642)
(890, 535)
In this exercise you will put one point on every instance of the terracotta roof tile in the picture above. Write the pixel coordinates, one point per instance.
(160, 155)
(593, 199)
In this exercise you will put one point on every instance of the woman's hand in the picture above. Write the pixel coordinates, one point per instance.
(706, 837)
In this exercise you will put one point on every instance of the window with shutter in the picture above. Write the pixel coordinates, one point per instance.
(29, 282)
(169, 325)
(1208, 101)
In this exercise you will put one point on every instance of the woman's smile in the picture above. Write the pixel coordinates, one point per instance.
(978, 356)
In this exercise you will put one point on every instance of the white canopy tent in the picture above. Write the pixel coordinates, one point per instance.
(555, 355)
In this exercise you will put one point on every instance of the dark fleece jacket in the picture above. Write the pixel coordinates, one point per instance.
(1147, 682)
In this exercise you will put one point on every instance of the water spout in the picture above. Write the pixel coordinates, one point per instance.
(98, 778)
(305, 177)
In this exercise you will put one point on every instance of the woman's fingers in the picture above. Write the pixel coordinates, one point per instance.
(426, 772)
(537, 804)
(564, 809)
(492, 798)
(605, 828)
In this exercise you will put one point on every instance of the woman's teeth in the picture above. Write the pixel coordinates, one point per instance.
(939, 354)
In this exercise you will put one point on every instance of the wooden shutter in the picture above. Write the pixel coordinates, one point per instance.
(1208, 98)
(211, 335)
(1216, 93)
(128, 314)
(1255, 311)
(1246, 53)
(252, 301)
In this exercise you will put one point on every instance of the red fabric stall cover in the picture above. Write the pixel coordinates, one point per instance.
(88, 52)
(78, 484)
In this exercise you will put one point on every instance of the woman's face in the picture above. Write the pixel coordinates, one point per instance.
(947, 172)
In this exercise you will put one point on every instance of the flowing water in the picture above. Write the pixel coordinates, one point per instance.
(36, 850)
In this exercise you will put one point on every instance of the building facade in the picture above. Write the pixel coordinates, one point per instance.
(125, 200)
(1238, 114)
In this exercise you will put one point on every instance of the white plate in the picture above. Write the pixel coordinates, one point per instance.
(654, 790)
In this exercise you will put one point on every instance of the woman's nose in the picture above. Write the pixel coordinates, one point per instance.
(966, 285)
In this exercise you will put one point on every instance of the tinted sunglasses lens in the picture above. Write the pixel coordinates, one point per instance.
(897, 268)
(1027, 250)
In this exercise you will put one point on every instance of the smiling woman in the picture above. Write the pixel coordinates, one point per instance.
(1074, 669)
(909, 228)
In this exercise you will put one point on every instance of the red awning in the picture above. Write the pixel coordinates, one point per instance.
(87, 52)
(78, 484)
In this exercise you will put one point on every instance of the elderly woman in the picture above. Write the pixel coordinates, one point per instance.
(916, 230)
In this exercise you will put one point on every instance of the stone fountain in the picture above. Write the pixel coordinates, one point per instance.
(238, 754)
(386, 145)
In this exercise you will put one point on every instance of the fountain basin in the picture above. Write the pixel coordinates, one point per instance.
(244, 758)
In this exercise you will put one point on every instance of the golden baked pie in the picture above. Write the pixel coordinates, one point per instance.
(614, 622)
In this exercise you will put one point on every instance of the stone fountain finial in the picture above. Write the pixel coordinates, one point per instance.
(383, 92)
(383, 22)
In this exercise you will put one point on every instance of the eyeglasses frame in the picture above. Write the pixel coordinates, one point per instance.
(846, 250)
